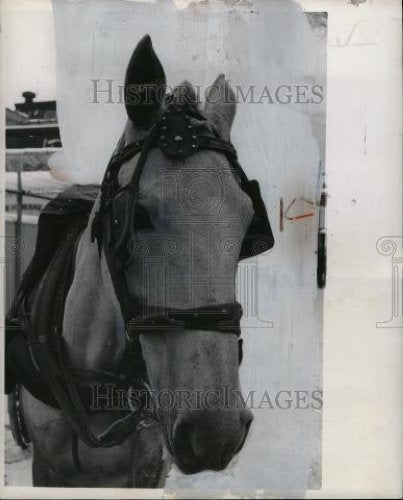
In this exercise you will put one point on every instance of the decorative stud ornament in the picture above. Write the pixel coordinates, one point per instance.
(178, 138)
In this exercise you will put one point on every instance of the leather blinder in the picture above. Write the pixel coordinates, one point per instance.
(259, 236)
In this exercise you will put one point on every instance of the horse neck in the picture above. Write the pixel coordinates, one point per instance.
(93, 326)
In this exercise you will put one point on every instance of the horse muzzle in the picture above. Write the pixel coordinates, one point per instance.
(208, 440)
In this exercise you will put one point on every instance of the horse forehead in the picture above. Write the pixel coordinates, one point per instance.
(202, 170)
(161, 171)
(203, 185)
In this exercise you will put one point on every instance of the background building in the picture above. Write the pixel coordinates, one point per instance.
(32, 124)
(32, 136)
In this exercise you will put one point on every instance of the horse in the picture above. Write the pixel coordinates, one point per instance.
(166, 231)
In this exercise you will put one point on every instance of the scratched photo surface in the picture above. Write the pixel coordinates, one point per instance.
(65, 113)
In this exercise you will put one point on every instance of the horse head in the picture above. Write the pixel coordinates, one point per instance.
(190, 219)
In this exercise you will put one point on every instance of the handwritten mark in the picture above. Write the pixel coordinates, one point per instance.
(348, 42)
(285, 214)
(357, 2)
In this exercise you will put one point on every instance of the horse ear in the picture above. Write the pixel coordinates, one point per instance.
(145, 84)
(220, 106)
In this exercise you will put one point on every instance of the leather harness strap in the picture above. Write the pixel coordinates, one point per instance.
(51, 355)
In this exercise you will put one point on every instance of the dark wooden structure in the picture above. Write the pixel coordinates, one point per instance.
(32, 124)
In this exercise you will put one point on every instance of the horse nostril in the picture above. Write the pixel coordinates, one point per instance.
(248, 424)
(183, 439)
(246, 420)
(246, 417)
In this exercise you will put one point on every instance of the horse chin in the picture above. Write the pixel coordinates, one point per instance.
(190, 469)
(190, 464)
(193, 465)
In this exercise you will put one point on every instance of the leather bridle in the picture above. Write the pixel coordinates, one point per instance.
(175, 135)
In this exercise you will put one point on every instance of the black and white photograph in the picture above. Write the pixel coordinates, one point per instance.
(202, 206)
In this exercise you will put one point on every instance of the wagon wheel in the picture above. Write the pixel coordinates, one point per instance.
(17, 423)
(322, 258)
